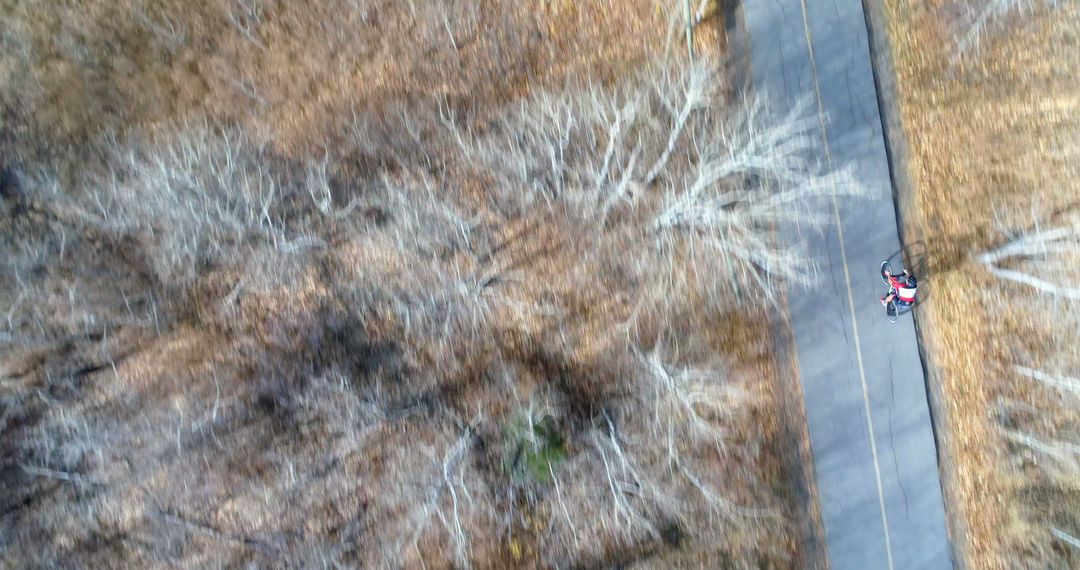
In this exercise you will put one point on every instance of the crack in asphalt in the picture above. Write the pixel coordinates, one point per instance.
(892, 443)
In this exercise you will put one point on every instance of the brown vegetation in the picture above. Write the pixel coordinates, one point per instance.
(386, 284)
(992, 126)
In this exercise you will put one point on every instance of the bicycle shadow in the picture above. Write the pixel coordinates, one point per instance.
(917, 259)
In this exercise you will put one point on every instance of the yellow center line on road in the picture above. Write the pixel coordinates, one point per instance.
(851, 299)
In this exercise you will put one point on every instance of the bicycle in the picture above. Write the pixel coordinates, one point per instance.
(893, 310)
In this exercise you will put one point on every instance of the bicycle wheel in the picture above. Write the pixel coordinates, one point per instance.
(885, 266)
(891, 312)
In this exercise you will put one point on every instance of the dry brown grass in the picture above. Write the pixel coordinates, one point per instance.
(993, 150)
(297, 72)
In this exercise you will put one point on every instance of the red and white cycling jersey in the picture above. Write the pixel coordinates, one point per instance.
(905, 293)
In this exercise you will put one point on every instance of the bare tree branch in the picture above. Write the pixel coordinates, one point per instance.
(1065, 383)
(1040, 247)
(1066, 537)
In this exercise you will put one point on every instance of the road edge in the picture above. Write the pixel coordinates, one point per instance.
(896, 152)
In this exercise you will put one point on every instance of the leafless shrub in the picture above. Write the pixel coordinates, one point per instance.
(632, 492)
(647, 465)
(445, 282)
(447, 498)
(198, 199)
(686, 404)
(443, 290)
(691, 411)
(50, 280)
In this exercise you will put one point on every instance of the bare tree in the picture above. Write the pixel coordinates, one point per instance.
(659, 162)
(201, 198)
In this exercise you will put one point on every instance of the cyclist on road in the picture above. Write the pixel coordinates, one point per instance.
(901, 289)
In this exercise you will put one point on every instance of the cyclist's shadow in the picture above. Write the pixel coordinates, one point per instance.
(916, 259)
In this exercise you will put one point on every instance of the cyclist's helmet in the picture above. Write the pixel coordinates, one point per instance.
(912, 282)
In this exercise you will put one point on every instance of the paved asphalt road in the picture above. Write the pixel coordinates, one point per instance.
(870, 431)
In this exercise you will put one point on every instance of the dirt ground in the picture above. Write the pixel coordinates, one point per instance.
(993, 138)
(250, 415)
